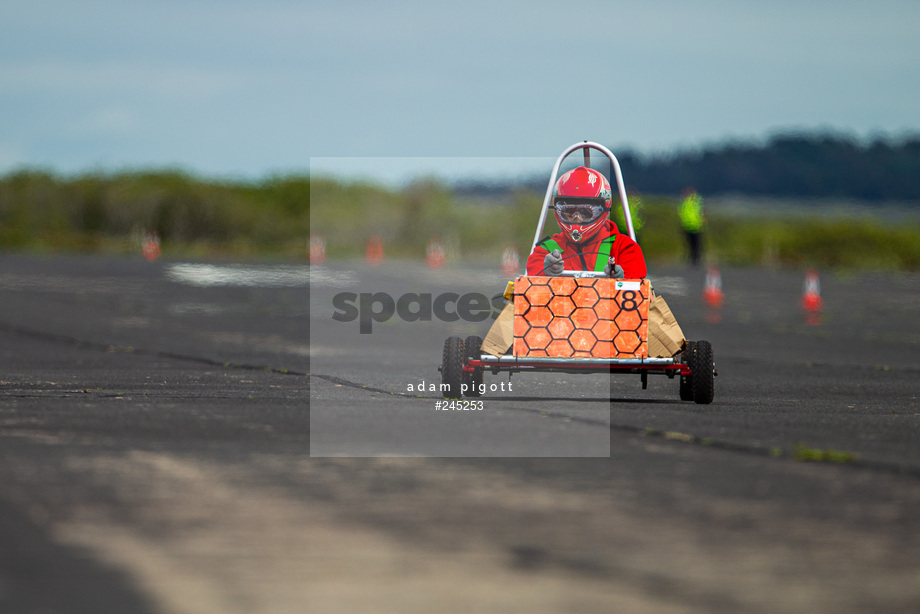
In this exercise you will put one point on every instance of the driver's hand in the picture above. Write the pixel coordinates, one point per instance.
(613, 270)
(552, 264)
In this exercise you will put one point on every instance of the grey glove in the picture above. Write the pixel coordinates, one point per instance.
(552, 264)
(613, 270)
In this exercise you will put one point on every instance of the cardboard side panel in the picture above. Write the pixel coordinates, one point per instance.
(665, 338)
(501, 335)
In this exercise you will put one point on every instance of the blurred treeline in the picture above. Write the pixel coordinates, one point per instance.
(113, 212)
(197, 217)
(788, 165)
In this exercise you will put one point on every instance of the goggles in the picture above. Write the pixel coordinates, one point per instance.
(579, 210)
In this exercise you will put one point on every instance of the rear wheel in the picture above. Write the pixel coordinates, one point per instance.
(703, 373)
(686, 381)
(473, 379)
(452, 367)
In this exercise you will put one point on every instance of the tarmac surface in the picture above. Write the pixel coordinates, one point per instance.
(157, 422)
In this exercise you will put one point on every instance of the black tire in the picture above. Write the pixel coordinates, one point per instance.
(703, 373)
(686, 381)
(473, 380)
(452, 367)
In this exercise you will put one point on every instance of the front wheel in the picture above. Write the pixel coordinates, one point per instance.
(686, 381)
(452, 367)
(472, 380)
(703, 367)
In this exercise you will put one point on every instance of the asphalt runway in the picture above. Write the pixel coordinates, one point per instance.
(155, 451)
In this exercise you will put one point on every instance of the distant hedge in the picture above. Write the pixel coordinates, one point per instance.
(94, 211)
(196, 217)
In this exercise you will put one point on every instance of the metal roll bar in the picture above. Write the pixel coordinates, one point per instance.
(618, 175)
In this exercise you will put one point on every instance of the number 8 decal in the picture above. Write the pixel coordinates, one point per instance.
(629, 301)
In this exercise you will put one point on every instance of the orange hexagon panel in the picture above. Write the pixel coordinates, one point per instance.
(562, 286)
(564, 317)
(537, 338)
(628, 320)
(584, 317)
(561, 328)
(559, 347)
(583, 340)
(539, 294)
(585, 296)
(626, 341)
(538, 316)
(562, 306)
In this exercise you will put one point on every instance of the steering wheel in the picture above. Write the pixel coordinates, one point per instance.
(578, 272)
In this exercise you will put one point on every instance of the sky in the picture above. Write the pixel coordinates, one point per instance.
(247, 89)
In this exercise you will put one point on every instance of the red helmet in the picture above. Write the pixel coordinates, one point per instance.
(581, 202)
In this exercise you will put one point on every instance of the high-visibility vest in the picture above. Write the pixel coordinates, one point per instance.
(691, 213)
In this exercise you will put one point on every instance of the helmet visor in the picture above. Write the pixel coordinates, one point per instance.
(579, 210)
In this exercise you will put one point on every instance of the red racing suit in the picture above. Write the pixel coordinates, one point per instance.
(583, 257)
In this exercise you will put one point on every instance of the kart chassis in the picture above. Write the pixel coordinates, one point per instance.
(463, 363)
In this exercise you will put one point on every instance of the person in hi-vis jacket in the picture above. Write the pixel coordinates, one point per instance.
(692, 221)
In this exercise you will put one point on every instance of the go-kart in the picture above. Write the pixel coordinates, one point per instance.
(579, 322)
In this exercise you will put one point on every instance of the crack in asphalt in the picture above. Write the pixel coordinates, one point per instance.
(673, 436)
(105, 347)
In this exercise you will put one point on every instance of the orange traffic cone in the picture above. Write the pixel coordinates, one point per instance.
(434, 255)
(373, 253)
(713, 296)
(511, 262)
(712, 290)
(811, 297)
(317, 249)
(151, 246)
